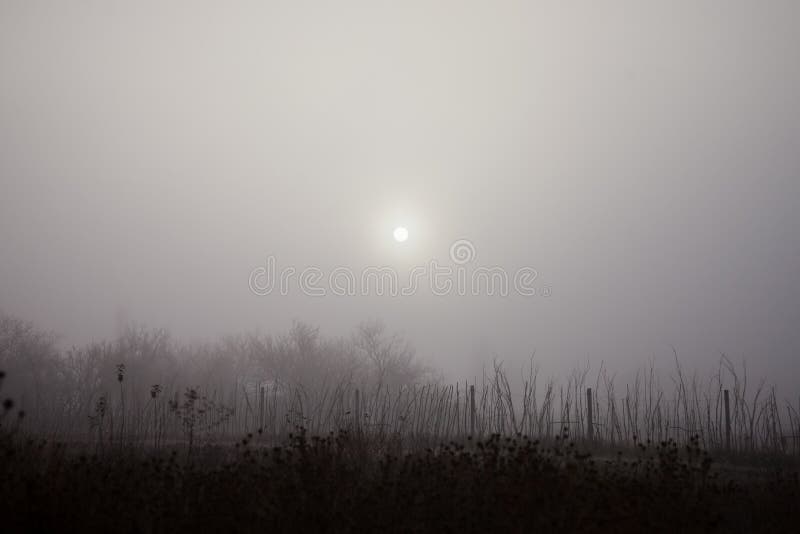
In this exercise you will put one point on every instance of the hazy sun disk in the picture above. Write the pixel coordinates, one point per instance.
(400, 234)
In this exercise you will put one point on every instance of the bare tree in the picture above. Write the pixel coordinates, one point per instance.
(391, 358)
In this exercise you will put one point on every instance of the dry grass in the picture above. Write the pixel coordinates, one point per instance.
(426, 414)
(390, 470)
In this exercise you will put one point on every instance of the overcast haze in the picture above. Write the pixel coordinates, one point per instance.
(643, 157)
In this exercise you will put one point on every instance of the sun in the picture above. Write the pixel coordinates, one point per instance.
(400, 234)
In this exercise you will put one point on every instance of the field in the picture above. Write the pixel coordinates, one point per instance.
(367, 478)
(94, 440)
(341, 484)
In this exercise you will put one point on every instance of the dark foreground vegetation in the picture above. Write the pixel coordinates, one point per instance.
(340, 484)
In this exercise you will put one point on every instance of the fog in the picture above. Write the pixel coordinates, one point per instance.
(642, 157)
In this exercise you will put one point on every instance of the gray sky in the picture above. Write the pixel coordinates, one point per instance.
(644, 157)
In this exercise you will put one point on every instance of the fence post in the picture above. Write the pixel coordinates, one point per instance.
(357, 413)
(727, 420)
(261, 400)
(472, 410)
(589, 418)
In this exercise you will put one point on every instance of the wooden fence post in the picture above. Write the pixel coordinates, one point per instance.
(727, 421)
(472, 410)
(796, 431)
(261, 400)
(357, 413)
(589, 414)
